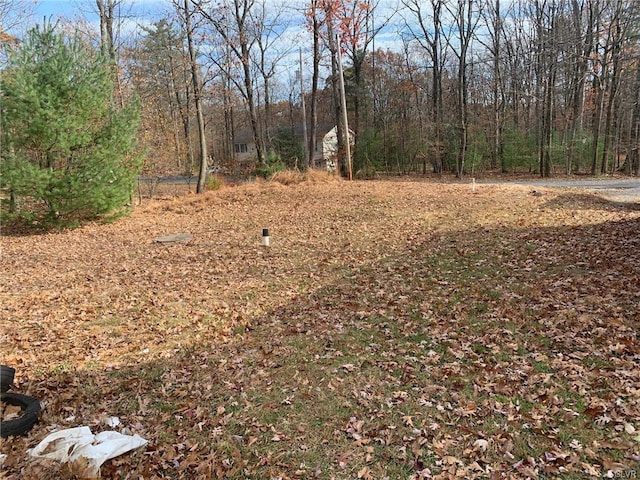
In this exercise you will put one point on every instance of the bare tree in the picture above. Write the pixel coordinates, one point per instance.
(186, 11)
(270, 24)
(13, 15)
(228, 106)
(633, 159)
(160, 72)
(106, 9)
(466, 16)
(495, 21)
(232, 21)
(619, 22)
(358, 32)
(579, 44)
(324, 17)
(425, 27)
(333, 44)
(315, 22)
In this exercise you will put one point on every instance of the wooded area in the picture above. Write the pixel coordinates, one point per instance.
(538, 86)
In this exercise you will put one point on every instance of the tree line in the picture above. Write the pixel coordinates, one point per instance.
(545, 86)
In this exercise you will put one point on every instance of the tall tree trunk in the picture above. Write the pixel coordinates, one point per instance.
(227, 146)
(599, 86)
(436, 85)
(428, 35)
(615, 39)
(462, 117)
(184, 110)
(229, 126)
(315, 77)
(546, 72)
(303, 105)
(335, 87)
(106, 13)
(582, 52)
(197, 95)
(251, 102)
(466, 26)
(173, 96)
(496, 89)
(539, 75)
(633, 159)
(547, 124)
(106, 9)
(597, 122)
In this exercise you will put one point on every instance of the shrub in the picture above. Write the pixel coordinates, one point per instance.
(273, 164)
(215, 182)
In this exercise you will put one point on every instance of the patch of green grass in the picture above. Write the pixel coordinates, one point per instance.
(128, 405)
(544, 341)
(492, 425)
(90, 389)
(420, 338)
(163, 406)
(62, 367)
(493, 295)
(541, 366)
(480, 348)
(524, 406)
(597, 361)
(479, 308)
(527, 444)
(152, 373)
(167, 436)
(504, 357)
(573, 399)
(476, 325)
(574, 435)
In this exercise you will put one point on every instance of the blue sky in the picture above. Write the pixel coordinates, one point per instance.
(54, 8)
(136, 12)
(35, 11)
(88, 9)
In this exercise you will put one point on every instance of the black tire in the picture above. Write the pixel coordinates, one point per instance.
(30, 410)
(6, 377)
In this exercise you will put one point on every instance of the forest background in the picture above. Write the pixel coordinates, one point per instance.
(431, 86)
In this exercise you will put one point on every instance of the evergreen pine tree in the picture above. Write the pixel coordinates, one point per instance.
(67, 154)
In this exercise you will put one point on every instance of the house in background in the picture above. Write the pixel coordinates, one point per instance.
(330, 148)
(244, 147)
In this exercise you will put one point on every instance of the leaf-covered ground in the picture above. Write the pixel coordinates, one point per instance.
(396, 330)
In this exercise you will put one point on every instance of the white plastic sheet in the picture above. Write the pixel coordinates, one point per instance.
(74, 443)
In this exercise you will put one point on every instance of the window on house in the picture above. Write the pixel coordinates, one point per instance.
(241, 148)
